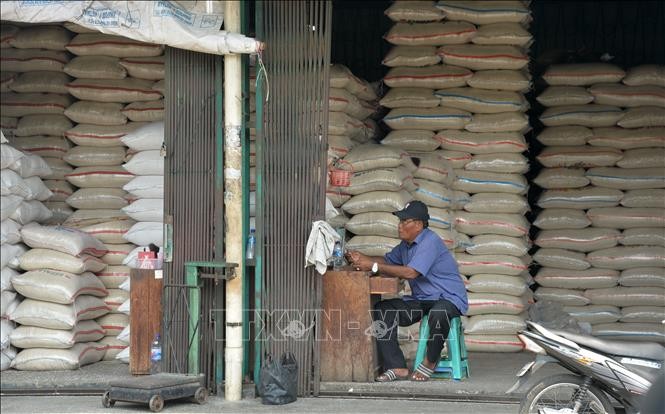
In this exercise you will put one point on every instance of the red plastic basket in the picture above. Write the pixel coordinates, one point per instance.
(339, 177)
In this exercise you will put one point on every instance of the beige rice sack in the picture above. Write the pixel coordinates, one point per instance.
(577, 279)
(61, 239)
(504, 80)
(482, 143)
(561, 218)
(416, 56)
(438, 195)
(413, 11)
(433, 167)
(628, 138)
(100, 177)
(58, 316)
(37, 259)
(380, 201)
(92, 44)
(160, 86)
(487, 182)
(503, 122)
(643, 237)
(42, 359)
(340, 123)
(372, 156)
(506, 163)
(496, 244)
(627, 296)
(567, 297)
(514, 225)
(341, 77)
(485, 12)
(580, 240)
(494, 324)
(151, 68)
(643, 276)
(440, 218)
(586, 156)
(8, 34)
(34, 337)
(565, 136)
(592, 115)
(97, 113)
(113, 276)
(110, 231)
(115, 298)
(431, 77)
(581, 74)
(644, 314)
(32, 125)
(451, 239)
(626, 218)
(558, 178)
(492, 264)
(509, 33)
(559, 258)
(482, 101)
(490, 283)
(85, 156)
(113, 323)
(57, 286)
(98, 198)
(427, 118)
(372, 245)
(645, 75)
(645, 116)
(41, 37)
(565, 95)
(482, 57)
(627, 257)
(430, 34)
(41, 82)
(339, 145)
(594, 314)
(76, 28)
(489, 303)
(113, 347)
(641, 332)
(643, 158)
(82, 218)
(45, 147)
(8, 125)
(21, 104)
(456, 159)
(644, 198)
(493, 343)
(341, 100)
(411, 140)
(101, 135)
(627, 179)
(113, 90)
(410, 98)
(59, 169)
(116, 253)
(95, 67)
(30, 60)
(374, 224)
(384, 179)
(580, 198)
(497, 203)
(628, 96)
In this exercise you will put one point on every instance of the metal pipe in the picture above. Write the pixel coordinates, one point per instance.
(233, 208)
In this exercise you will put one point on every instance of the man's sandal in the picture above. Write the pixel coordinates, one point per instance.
(424, 373)
(390, 376)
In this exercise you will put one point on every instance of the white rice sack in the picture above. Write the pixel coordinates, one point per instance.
(12, 183)
(492, 264)
(645, 75)
(430, 77)
(485, 12)
(123, 355)
(482, 143)
(10, 233)
(625, 218)
(499, 163)
(100, 177)
(98, 113)
(628, 138)
(627, 296)
(646, 314)
(9, 155)
(480, 57)
(113, 90)
(559, 178)
(6, 329)
(146, 209)
(438, 195)
(35, 337)
(644, 198)
(628, 96)
(413, 11)
(493, 343)
(57, 286)
(113, 347)
(503, 122)
(565, 135)
(627, 178)
(411, 140)
(592, 115)
(577, 279)
(37, 189)
(643, 158)
(11, 254)
(491, 283)
(643, 276)
(116, 253)
(100, 135)
(59, 169)
(95, 67)
(488, 182)
(581, 74)
(383, 179)
(6, 279)
(372, 245)
(427, 118)
(508, 33)
(410, 98)
(146, 186)
(564, 96)
(415, 56)
(37, 259)
(503, 80)
(482, 100)
(372, 156)
(83, 218)
(146, 163)
(115, 298)
(561, 218)
(594, 314)
(60, 210)
(9, 205)
(40, 82)
(644, 116)
(125, 307)
(43, 359)
(651, 332)
(125, 335)
(581, 240)
(381, 201)
(514, 225)
(488, 303)
(23, 104)
(145, 67)
(110, 231)
(113, 323)
(98, 198)
(29, 211)
(560, 258)
(497, 203)
(567, 297)
(10, 301)
(66, 240)
(492, 244)
(494, 324)
(626, 257)
(88, 44)
(373, 224)
(430, 34)
(29, 60)
(579, 156)
(147, 137)
(114, 275)
(58, 316)
(144, 233)
(580, 198)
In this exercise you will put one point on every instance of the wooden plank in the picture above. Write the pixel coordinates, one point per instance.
(380, 285)
(145, 317)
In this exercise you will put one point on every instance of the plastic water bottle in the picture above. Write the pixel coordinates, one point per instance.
(251, 244)
(155, 355)
(338, 256)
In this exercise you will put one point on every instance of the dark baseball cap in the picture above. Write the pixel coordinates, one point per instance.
(413, 210)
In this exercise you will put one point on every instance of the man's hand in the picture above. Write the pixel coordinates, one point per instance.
(359, 261)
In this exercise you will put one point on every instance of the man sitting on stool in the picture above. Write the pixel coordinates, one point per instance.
(436, 287)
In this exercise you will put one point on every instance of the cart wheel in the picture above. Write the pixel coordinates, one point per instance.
(156, 403)
(107, 402)
(201, 395)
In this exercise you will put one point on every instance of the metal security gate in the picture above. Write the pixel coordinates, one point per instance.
(292, 170)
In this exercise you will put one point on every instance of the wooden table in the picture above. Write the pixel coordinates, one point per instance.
(347, 349)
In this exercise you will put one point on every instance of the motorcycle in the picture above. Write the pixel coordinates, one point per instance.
(599, 368)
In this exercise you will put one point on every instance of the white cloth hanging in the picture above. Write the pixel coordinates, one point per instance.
(320, 245)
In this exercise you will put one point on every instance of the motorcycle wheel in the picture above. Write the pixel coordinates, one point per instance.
(556, 393)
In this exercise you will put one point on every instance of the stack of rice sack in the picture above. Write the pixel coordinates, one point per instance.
(56, 328)
(34, 99)
(602, 245)
(459, 71)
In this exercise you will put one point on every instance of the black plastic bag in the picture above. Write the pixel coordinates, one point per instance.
(279, 380)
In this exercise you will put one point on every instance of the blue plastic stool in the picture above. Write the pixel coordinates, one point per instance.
(452, 365)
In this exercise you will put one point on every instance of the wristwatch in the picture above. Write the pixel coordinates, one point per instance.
(375, 268)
